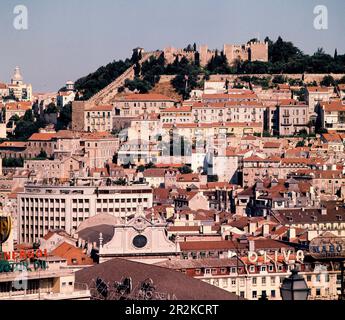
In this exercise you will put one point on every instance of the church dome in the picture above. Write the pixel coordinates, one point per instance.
(17, 76)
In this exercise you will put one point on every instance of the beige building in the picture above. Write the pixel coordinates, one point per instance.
(60, 169)
(293, 118)
(134, 105)
(176, 115)
(332, 115)
(316, 95)
(99, 119)
(98, 148)
(15, 109)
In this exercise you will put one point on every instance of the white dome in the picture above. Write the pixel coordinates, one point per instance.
(17, 76)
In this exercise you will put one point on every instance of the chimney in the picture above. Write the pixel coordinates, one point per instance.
(252, 227)
(266, 230)
(251, 245)
(291, 233)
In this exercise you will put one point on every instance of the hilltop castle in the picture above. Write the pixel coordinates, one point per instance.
(252, 51)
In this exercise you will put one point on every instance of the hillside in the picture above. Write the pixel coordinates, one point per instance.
(284, 57)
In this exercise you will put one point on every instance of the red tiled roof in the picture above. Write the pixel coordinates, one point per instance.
(73, 255)
(318, 89)
(336, 105)
(13, 144)
(23, 106)
(42, 136)
(146, 97)
(101, 108)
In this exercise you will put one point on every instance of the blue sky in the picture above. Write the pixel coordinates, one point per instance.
(67, 39)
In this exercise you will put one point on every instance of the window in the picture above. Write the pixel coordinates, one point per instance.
(273, 280)
(197, 271)
(273, 293)
(327, 277)
(254, 281)
(308, 277)
(318, 292)
(263, 281)
(254, 294)
(233, 282)
(263, 268)
(207, 271)
(242, 294)
(223, 270)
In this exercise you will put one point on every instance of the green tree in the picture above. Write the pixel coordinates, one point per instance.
(65, 117)
(328, 81)
(185, 170)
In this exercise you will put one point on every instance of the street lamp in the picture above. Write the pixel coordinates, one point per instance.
(294, 287)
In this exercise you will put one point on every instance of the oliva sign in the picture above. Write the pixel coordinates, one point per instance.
(327, 248)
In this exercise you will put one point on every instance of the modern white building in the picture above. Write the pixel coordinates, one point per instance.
(45, 207)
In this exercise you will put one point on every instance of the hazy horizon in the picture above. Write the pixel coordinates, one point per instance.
(69, 39)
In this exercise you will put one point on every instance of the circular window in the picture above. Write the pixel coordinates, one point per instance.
(140, 241)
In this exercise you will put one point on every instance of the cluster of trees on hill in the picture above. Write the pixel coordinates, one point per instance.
(96, 81)
(32, 121)
(284, 57)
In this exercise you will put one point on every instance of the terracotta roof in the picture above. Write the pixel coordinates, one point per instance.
(184, 229)
(190, 177)
(146, 97)
(42, 136)
(233, 96)
(154, 172)
(271, 145)
(177, 109)
(333, 213)
(23, 106)
(73, 255)
(336, 105)
(13, 144)
(101, 108)
(332, 137)
(318, 89)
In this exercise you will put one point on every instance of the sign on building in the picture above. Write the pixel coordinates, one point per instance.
(326, 247)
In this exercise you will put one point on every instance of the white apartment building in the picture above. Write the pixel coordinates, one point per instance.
(232, 111)
(134, 105)
(333, 115)
(44, 207)
(316, 95)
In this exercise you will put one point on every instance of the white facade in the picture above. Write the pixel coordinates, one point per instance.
(41, 208)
